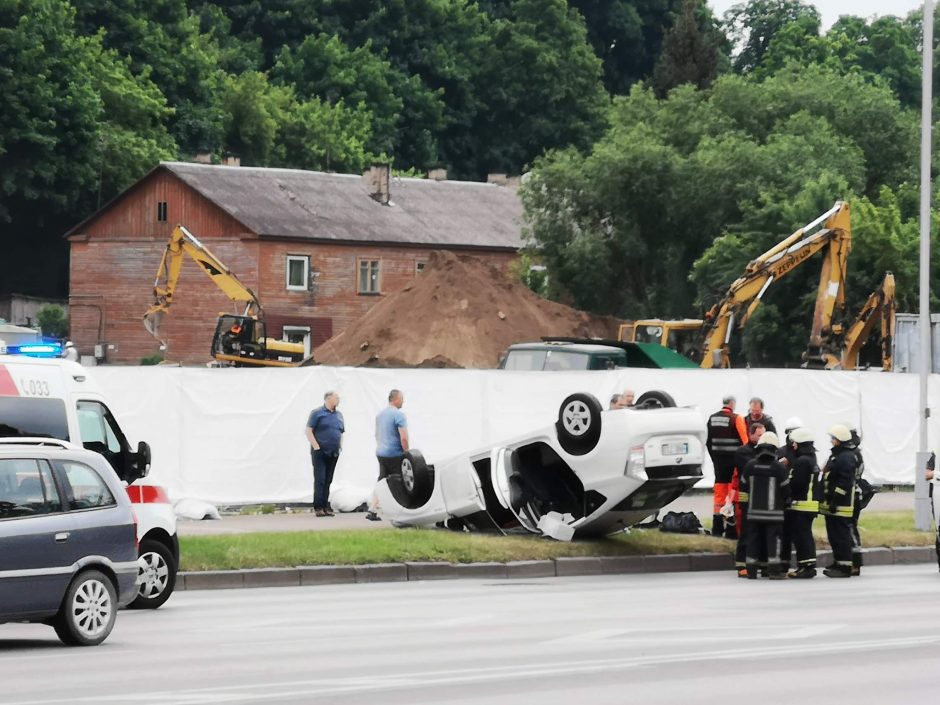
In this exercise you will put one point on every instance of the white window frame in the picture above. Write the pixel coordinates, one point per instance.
(378, 275)
(306, 265)
(420, 266)
(286, 330)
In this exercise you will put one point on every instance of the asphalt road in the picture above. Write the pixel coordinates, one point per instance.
(674, 638)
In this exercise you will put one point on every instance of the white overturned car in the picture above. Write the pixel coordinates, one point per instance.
(593, 472)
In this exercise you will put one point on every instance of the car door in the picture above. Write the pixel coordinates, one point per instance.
(98, 526)
(35, 562)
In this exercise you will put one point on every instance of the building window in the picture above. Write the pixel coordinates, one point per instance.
(161, 211)
(368, 276)
(419, 267)
(298, 267)
(297, 334)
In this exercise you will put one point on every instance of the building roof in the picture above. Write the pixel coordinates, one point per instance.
(312, 205)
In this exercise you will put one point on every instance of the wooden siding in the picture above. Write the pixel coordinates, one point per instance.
(134, 215)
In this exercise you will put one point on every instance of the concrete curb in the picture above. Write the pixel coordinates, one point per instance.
(559, 567)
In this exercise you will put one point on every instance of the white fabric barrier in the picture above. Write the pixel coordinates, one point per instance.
(235, 436)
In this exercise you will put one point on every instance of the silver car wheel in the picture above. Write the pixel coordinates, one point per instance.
(576, 418)
(91, 609)
(407, 475)
(154, 575)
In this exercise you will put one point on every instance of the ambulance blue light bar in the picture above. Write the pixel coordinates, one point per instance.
(36, 350)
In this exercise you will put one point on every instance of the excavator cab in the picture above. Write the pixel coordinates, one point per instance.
(241, 341)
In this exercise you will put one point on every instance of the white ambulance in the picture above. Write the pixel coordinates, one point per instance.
(56, 401)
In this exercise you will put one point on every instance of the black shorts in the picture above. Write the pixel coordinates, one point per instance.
(389, 466)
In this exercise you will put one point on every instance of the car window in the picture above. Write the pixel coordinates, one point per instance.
(85, 487)
(525, 360)
(27, 488)
(565, 360)
(608, 361)
(32, 416)
(98, 428)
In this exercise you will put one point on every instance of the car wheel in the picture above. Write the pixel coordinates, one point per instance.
(416, 479)
(655, 399)
(88, 611)
(579, 423)
(158, 575)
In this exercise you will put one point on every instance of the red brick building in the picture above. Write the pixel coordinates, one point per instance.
(318, 249)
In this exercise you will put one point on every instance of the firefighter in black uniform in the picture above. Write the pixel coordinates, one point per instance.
(864, 491)
(837, 500)
(742, 456)
(726, 433)
(768, 494)
(804, 504)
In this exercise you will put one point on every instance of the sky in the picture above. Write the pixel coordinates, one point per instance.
(831, 9)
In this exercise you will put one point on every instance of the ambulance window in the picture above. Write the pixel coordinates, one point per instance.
(33, 417)
(98, 429)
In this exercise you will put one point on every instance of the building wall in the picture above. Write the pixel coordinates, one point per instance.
(115, 259)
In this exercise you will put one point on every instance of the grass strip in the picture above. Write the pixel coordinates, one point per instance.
(355, 547)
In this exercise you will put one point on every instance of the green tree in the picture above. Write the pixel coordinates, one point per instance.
(540, 87)
(52, 321)
(752, 26)
(690, 51)
(627, 35)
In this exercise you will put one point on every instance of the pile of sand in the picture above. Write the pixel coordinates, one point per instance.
(460, 312)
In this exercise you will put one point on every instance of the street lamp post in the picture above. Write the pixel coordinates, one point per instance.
(922, 515)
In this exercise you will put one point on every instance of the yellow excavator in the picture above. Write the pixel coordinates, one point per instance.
(239, 339)
(832, 232)
(839, 350)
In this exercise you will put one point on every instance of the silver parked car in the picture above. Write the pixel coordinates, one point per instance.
(68, 546)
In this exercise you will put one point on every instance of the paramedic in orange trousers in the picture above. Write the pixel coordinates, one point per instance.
(726, 433)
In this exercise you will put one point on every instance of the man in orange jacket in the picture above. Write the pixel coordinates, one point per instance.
(726, 433)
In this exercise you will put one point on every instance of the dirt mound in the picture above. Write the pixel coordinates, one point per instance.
(460, 312)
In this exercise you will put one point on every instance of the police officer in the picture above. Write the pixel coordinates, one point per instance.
(804, 505)
(864, 491)
(768, 494)
(742, 456)
(837, 501)
(726, 433)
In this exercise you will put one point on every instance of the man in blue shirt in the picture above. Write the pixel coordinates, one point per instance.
(391, 440)
(325, 429)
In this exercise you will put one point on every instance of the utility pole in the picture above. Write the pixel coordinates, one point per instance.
(922, 514)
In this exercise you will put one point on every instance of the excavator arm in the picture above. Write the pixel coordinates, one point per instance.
(831, 232)
(880, 308)
(183, 243)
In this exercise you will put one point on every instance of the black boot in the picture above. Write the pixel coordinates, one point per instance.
(857, 564)
(752, 572)
(838, 571)
(804, 572)
(718, 525)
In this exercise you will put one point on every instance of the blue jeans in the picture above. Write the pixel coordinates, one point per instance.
(323, 466)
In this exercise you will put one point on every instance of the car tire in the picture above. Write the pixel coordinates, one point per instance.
(417, 482)
(88, 611)
(579, 423)
(159, 575)
(655, 399)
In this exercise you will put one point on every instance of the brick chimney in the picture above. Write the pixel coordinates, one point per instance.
(203, 158)
(437, 175)
(377, 181)
(498, 179)
(231, 160)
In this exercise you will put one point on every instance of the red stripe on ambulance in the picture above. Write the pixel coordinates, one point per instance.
(7, 385)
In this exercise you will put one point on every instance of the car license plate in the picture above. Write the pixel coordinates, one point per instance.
(675, 448)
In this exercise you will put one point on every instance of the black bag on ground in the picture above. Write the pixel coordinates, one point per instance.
(681, 523)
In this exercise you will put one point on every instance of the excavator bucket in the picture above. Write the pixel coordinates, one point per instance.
(153, 321)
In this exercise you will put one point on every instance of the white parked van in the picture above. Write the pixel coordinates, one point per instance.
(58, 399)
